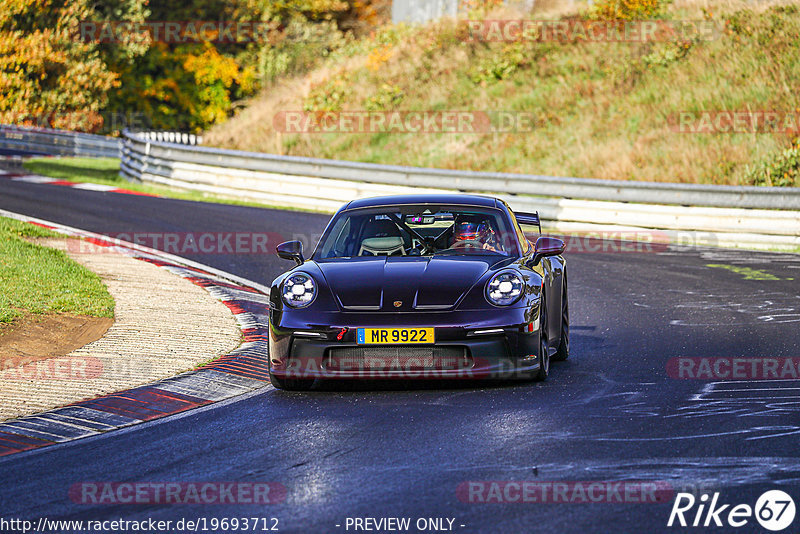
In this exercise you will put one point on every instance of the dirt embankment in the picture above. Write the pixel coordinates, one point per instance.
(39, 337)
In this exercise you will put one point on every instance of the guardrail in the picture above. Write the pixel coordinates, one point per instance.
(167, 154)
(65, 143)
(723, 215)
(58, 142)
(749, 216)
(182, 138)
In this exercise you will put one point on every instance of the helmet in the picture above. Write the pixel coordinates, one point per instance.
(473, 228)
(465, 230)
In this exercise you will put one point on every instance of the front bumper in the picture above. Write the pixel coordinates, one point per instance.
(479, 349)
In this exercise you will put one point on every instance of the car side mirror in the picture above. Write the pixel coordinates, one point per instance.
(291, 250)
(547, 246)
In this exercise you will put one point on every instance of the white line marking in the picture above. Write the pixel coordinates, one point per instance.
(747, 390)
(94, 187)
(34, 179)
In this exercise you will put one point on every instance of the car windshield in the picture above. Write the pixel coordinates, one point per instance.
(418, 230)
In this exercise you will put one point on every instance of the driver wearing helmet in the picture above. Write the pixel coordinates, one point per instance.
(474, 231)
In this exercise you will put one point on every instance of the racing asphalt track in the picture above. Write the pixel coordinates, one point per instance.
(609, 413)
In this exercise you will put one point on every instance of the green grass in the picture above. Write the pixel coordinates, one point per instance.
(35, 279)
(96, 170)
(105, 171)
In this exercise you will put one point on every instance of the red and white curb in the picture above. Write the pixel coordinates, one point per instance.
(88, 186)
(244, 370)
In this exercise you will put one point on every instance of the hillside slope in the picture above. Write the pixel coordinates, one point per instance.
(599, 109)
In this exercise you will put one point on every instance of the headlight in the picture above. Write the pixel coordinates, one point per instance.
(299, 290)
(504, 288)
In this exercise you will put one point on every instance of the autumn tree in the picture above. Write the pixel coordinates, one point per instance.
(48, 75)
(54, 74)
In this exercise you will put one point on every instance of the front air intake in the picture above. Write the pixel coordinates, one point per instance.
(397, 358)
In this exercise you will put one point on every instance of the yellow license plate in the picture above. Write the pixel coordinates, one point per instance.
(394, 336)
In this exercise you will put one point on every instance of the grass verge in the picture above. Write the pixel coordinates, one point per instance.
(105, 171)
(36, 280)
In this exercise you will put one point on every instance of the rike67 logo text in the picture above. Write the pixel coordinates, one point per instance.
(774, 510)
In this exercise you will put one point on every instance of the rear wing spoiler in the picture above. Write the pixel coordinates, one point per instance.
(530, 219)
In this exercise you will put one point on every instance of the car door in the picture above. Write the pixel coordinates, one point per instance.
(552, 274)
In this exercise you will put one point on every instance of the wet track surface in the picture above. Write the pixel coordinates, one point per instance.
(612, 412)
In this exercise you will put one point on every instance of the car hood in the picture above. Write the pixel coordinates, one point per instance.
(403, 283)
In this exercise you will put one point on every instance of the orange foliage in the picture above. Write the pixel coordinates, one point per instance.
(47, 75)
(626, 9)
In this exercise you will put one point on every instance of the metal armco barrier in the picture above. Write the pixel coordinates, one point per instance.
(64, 143)
(726, 215)
(59, 142)
(748, 216)
(515, 184)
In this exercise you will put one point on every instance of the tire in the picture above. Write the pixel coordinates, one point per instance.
(544, 358)
(563, 345)
(291, 384)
